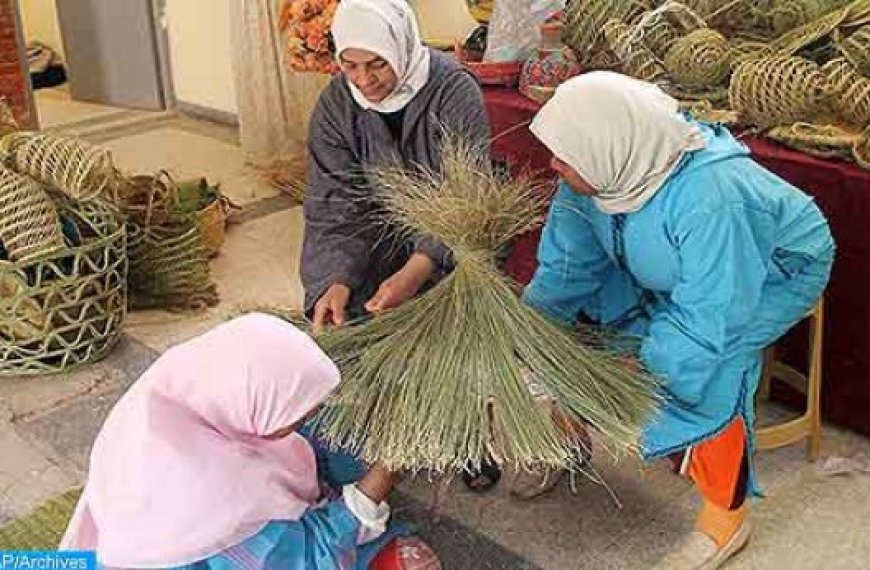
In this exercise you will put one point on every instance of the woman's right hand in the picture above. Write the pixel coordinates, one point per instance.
(377, 483)
(330, 309)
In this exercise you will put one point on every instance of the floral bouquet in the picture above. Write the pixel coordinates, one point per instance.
(305, 24)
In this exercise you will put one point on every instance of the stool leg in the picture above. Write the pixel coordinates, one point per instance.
(814, 384)
(763, 393)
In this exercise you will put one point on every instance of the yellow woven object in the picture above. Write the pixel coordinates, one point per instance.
(66, 309)
(825, 141)
(29, 223)
(700, 59)
(851, 91)
(795, 39)
(635, 58)
(856, 49)
(72, 166)
(776, 91)
(585, 19)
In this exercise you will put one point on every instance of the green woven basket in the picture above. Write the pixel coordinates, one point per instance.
(67, 308)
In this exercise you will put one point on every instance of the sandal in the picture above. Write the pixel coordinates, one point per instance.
(483, 479)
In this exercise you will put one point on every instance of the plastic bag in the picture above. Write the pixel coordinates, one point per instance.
(514, 29)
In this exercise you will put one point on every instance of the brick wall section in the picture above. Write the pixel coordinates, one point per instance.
(13, 84)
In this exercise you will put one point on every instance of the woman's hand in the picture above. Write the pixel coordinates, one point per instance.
(377, 483)
(331, 308)
(403, 285)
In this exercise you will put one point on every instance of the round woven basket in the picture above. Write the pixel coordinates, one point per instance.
(700, 59)
(775, 91)
(66, 309)
(851, 89)
(856, 49)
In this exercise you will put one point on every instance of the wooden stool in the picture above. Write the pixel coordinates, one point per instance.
(808, 426)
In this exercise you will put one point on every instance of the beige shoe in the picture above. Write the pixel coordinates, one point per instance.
(699, 552)
(527, 486)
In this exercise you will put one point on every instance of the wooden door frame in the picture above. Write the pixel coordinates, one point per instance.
(29, 101)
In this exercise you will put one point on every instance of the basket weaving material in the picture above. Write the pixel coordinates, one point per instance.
(776, 91)
(795, 39)
(856, 49)
(584, 20)
(147, 200)
(787, 15)
(80, 170)
(66, 309)
(29, 223)
(169, 269)
(851, 89)
(634, 57)
(700, 59)
(666, 24)
(660, 37)
(825, 141)
(743, 50)
(213, 225)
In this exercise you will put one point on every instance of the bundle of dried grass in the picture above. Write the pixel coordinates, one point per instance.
(438, 384)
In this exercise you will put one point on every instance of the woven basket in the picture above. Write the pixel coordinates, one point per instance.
(703, 110)
(856, 49)
(634, 57)
(661, 27)
(825, 141)
(660, 37)
(851, 91)
(66, 309)
(147, 200)
(777, 91)
(743, 50)
(169, 269)
(29, 222)
(787, 15)
(700, 59)
(76, 168)
(213, 224)
(585, 19)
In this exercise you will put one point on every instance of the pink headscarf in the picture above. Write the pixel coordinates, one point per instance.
(180, 470)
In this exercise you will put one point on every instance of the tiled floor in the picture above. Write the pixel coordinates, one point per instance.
(806, 521)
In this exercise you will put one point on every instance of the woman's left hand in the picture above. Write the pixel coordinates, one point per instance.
(402, 285)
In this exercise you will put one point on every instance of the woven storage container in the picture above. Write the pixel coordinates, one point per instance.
(147, 200)
(851, 91)
(213, 225)
(76, 168)
(585, 19)
(743, 50)
(700, 59)
(66, 309)
(634, 57)
(800, 37)
(660, 37)
(29, 222)
(777, 91)
(825, 141)
(169, 269)
(856, 49)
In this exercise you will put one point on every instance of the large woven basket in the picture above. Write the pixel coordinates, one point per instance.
(851, 91)
(775, 91)
(856, 49)
(700, 59)
(635, 58)
(585, 19)
(66, 309)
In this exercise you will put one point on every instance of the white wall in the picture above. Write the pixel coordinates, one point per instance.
(443, 21)
(39, 20)
(200, 53)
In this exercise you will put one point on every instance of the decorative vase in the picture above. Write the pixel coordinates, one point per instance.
(552, 64)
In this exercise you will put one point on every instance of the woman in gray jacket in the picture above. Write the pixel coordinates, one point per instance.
(390, 106)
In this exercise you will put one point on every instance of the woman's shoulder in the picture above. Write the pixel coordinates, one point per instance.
(444, 70)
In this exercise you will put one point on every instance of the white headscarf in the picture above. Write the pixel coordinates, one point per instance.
(387, 28)
(622, 135)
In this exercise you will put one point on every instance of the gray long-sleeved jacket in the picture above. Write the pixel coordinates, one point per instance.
(342, 237)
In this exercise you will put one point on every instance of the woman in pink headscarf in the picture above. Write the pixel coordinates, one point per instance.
(200, 463)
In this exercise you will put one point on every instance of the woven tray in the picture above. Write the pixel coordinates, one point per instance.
(66, 309)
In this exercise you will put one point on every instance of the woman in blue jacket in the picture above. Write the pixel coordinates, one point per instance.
(664, 227)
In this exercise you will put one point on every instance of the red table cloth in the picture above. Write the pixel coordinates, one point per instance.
(842, 191)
